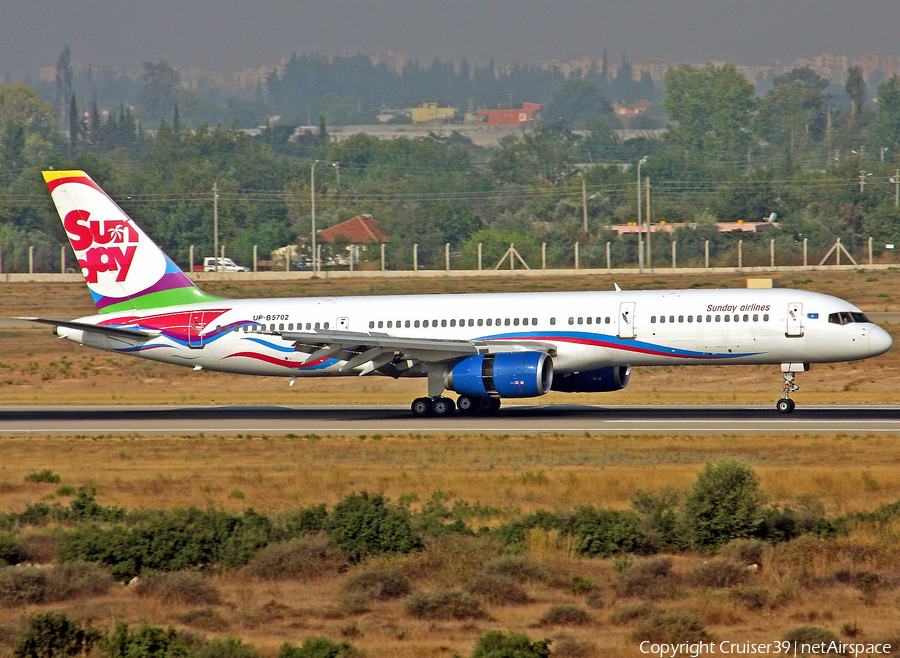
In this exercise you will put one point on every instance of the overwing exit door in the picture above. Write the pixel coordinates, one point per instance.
(626, 320)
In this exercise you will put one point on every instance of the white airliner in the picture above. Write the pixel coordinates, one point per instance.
(485, 347)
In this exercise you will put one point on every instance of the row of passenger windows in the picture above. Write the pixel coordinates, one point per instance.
(711, 318)
(453, 322)
(248, 328)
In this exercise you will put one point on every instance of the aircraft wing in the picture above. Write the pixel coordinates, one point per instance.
(124, 332)
(359, 348)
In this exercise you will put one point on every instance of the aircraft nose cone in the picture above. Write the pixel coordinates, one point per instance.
(880, 341)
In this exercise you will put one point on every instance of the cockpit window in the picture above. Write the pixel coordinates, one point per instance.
(847, 317)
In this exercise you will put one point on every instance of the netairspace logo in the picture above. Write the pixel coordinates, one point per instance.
(783, 648)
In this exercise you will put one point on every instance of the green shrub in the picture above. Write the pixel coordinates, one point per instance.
(65, 490)
(674, 627)
(229, 647)
(318, 647)
(31, 585)
(498, 590)
(565, 614)
(724, 504)
(658, 512)
(146, 641)
(310, 556)
(187, 587)
(513, 534)
(718, 574)
(305, 521)
(54, 634)
(10, 551)
(650, 578)
(362, 525)
(444, 604)
(605, 532)
(379, 584)
(570, 647)
(497, 644)
(752, 598)
(46, 475)
(521, 568)
(633, 612)
(743, 551)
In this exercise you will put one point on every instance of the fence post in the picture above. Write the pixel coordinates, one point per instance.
(740, 254)
(512, 257)
(479, 256)
(287, 259)
(318, 260)
(351, 257)
(416, 257)
(447, 256)
(543, 255)
(838, 250)
(31, 259)
(382, 257)
(706, 253)
(805, 244)
(255, 256)
(576, 255)
(62, 260)
(674, 254)
(1, 262)
(608, 257)
(772, 252)
(192, 259)
(870, 250)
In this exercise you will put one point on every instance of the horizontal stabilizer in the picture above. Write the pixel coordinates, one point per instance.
(125, 332)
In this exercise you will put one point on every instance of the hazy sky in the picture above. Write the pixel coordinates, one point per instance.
(236, 34)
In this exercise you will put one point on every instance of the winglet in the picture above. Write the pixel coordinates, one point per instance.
(618, 289)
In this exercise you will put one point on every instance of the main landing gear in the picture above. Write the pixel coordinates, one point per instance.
(785, 405)
(441, 406)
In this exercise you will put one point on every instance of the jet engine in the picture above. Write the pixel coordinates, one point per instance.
(601, 380)
(507, 374)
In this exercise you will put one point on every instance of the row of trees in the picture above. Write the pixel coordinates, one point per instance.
(726, 155)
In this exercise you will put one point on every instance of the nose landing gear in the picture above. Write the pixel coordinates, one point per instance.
(786, 405)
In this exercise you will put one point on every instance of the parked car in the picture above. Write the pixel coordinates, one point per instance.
(225, 265)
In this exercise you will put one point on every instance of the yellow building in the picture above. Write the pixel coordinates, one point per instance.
(431, 112)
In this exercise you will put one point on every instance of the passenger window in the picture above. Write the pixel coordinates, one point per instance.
(607, 320)
(497, 322)
(490, 321)
(662, 319)
(690, 318)
(580, 320)
(417, 324)
(533, 322)
(326, 325)
(756, 317)
(766, 317)
(407, 324)
(681, 318)
(390, 324)
(699, 318)
(317, 325)
(471, 322)
(709, 318)
(443, 323)
(480, 322)
(516, 321)
(652, 319)
(506, 321)
(552, 322)
(381, 324)
(671, 318)
(727, 318)
(589, 320)
(371, 324)
(718, 318)
(308, 326)
(452, 322)
(746, 318)
(571, 320)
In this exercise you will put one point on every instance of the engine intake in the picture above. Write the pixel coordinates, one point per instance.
(507, 374)
(601, 380)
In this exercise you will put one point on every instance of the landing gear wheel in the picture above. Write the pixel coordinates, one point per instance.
(422, 407)
(493, 406)
(785, 405)
(466, 405)
(442, 406)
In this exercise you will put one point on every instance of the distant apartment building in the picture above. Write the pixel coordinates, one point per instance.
(528, 113)
(639, 107)
(874, 62)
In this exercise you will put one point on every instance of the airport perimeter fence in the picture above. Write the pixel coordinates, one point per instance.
(590, 257)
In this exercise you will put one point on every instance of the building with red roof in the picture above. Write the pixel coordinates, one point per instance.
(359, 231)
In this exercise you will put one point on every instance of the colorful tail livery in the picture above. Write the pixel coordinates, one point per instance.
(482, 346)
(124, 268)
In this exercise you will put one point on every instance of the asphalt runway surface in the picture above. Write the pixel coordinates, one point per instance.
(392, 419)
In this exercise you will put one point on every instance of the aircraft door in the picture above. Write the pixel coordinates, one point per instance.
(626, 320)
(196, 325)
(343, 324)
(794, 320)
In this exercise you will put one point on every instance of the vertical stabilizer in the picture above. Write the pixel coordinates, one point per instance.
(124, 269)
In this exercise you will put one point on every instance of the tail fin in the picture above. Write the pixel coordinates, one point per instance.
(124, 269)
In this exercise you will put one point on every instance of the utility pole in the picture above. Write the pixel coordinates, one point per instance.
(640, 223)
(216, 224)
(649, 229)
(584, 205)
(896, 181)
(312, 192)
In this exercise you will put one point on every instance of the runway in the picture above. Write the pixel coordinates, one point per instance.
(382, 419)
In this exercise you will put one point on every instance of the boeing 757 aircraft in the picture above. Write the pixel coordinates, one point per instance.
(485, 347)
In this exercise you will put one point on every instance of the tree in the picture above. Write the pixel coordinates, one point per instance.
(577, 101)
(887, 125)
(160, 91)
(805, 75)
(64, 76)
(856, 90)
(712, 108)
(791, 113)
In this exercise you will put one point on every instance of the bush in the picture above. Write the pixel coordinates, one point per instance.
(518, 567)
(31, 585)
(605, 532)
(498, 590)
(207, 619)
(361, 526)
(674, 627)
(718, 574)
(444, 604)
(632, 613)
(752, 598)
(379, 584)
(450, 559)
(146, 641)
(305, 557)
(743, 551)
(187, 587)
(10, 551)
(724, 504)
(595, 599)
(54, 634)
(565, 614)
(318, 647)
(648, 578)
(810, 635)
(497, 644)
(43, 476)
(306, 521)
(230, 647)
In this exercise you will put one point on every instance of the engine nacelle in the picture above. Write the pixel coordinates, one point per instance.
(507, 374)
(601, 380)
